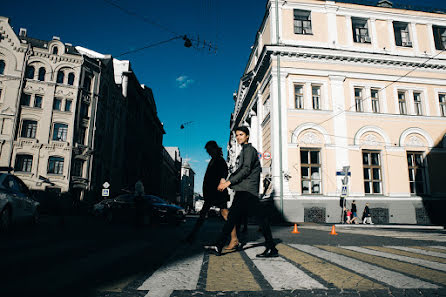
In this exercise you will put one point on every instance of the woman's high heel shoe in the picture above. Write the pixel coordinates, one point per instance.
(233, 246)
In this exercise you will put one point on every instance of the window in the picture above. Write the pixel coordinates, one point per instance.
(68, 105)
(29, 129)
(360, 30)
(302, 22)
(375, 100)
(310, 163)
(372, 172)
(60, 77)
(29, 72)
(55, 165)
(2, 67)
(87, 83)
(358, 99)
(71, 79)
(439, 37)
(416, 172)
(402, 36)
(442, 100)
(42, 72)
(78, 168)
(402, 102)
(57, 104)
(316, 92)
(25, 100)
(60, 132)
(81, 136)
(55, 50)
(38, 101)
(299, 96)
(417, 103)
(84, 110)
(23, 163)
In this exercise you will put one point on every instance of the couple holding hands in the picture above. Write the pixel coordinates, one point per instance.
(245, 182)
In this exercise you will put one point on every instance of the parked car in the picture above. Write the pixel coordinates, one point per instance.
(155, 209)
(16, 204)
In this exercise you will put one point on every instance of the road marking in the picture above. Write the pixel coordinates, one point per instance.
(438, 247)
(429, 264)
(420, 272)
(391, 278)
(408, 254)
(281, 274)
(178, 274)
(332, 274)
(418, 251)
(431, 248)
(229, 273)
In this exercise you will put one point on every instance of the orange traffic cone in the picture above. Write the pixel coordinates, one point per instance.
(295, 231)
(333, 231)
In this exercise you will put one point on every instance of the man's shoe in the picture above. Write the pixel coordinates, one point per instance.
(213, 249)
(269, 253)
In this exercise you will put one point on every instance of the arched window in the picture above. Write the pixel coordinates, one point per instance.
(55, 50)
(71, 79)
(29, 73)
(42, 72)
(60, 77)
(2, 67)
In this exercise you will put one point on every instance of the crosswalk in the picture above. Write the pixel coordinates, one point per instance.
(302, 267)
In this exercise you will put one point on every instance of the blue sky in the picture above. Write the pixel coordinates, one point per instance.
(189, 84)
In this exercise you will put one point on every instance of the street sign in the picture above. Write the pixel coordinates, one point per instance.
(344, 191)
(267, 155)
(342, 173)
(105, 192)
(106, 185)
(260, 156)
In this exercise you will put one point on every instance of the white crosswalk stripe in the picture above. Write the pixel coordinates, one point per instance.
(179, 274)
(418, 251)
(391, 278)
(438, 247)
(281, 274)
(421, 262)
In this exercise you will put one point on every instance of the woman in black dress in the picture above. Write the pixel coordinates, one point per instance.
(216, 171)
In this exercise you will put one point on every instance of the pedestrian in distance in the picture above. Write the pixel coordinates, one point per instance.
(245, 182)
(354, 218)
(216, 172)
(139, 204)
(349, 216)
(366, 216)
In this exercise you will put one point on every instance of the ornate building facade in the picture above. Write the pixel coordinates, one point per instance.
(69, 118)
(332, 86)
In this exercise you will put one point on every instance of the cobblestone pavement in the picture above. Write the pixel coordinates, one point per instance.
(418, 269)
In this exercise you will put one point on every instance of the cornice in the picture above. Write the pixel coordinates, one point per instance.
(322, 54)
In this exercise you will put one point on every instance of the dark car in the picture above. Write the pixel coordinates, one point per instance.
(16, 203)
(155, 209)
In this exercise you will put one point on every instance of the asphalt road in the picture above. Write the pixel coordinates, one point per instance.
(85, 256)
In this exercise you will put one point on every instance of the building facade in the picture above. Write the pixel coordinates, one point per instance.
(68, 117)
(331, 86)
(187, 186)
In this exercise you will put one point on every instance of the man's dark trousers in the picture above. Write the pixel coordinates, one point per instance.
(245, 202)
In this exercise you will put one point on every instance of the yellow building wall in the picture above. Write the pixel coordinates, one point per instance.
(382, 34)
(342, 30)
(319, 27)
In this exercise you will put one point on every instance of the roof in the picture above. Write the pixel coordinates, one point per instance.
(44, 44)
(397, 5)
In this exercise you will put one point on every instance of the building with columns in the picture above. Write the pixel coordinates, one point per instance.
(72, 119)
(332, 85)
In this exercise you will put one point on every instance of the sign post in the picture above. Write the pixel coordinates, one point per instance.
(344, 190)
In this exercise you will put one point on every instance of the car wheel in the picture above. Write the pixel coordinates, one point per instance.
(5, 219)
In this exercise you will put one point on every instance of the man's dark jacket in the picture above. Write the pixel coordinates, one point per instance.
(247, 175)
(217, 169)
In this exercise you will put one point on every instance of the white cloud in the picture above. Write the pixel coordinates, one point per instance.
(184, 81)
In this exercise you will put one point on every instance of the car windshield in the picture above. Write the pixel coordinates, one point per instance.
(125, 198)
(154, 199)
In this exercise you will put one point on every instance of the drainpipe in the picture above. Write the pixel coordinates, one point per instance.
(17, 105)
(279, 97)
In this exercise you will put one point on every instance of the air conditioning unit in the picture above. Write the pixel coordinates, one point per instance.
(407, 43)
(367, 39)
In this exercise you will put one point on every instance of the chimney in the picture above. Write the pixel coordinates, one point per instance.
(22, 32)
(385, 3)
